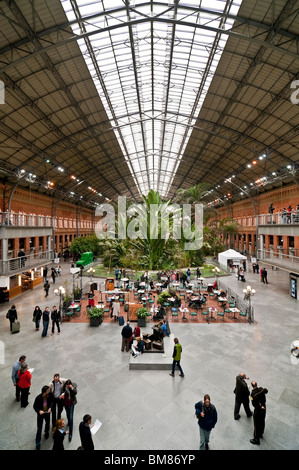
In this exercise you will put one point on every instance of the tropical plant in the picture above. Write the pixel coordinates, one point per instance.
(95, 312)
(85, 244)
(142, 312)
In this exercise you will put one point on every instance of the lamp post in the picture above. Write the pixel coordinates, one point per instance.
(60, 291)
(216, 270)
(249, 292)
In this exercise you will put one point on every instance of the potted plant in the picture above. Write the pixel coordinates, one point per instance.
(95, 315)
(163, 297)
(141, 313)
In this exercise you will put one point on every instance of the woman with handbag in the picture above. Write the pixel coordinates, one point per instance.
(37, 314)
(24, 383)
(69, 401)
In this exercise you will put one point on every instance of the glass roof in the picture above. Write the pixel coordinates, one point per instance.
(152, 64)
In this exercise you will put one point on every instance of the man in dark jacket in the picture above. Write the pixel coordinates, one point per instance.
(242, 396)
(55, 317)
(42, 406)
(46, 319)
(207, 418)
(126, 334)
(85, 433)
(258, 398)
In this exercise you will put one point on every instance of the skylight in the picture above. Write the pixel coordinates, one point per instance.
(152, 64)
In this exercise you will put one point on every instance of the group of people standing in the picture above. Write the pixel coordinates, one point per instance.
(206, 412)
(46, 315)
(258, 400)
(59, 394)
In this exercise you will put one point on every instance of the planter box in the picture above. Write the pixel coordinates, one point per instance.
(95, 321)
(141, 322)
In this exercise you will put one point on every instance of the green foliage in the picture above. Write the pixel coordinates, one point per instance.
(142, 312)
(85, 244)
(95, 312)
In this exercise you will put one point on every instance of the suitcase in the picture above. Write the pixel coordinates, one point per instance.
(158, 345)
(147, 344)
(15, 327)
(121, 320)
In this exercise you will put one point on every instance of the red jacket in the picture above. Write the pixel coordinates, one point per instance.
(24, 379)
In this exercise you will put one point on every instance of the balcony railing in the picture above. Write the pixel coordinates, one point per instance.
(24, 220)
(15, 265)
(279, 218)
(279, 258)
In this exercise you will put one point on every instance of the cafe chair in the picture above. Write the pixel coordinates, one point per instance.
(220, 314)
(205, 313)
(193, 315)
(243, 314)
(174, 313)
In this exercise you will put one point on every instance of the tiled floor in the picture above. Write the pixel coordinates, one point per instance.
(148, 409)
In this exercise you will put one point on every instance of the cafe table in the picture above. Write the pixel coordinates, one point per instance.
(234, 311)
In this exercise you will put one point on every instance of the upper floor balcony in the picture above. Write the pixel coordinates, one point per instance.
(279, 218)
(13, 219)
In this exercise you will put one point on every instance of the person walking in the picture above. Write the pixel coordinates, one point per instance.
(15, 376)
(55, 317)
(24, 384)
(53, 274)
(242, 394)
(37, 315)
(58, 435)
(46, 320)
(85, 433)
(258, 399)
(56, 388)
(42, 406)
(45, 273)
(264, 276)
(126, 334)
(69, 392)
(46, 288)
(206, 414)
(176, 355)
(12, 315)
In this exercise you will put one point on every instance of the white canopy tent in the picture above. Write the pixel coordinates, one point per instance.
(231, 257)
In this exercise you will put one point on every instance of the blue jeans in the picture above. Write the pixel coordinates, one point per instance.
(70, 417)
(204, 438)
(179, 366)
(45, 328)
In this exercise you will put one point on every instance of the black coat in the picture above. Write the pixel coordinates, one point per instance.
(55, 315)
(58, 438)
(46, 315)
(86, 437)
(39, 402)
(258, 398)
(37, 314)
(127, 331)
(241, 390)
(12, 314)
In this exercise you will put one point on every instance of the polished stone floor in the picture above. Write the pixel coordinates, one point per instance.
(147, 409)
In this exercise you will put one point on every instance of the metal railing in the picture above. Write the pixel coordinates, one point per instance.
(279, 218)
(24, 220)
(22, 263)
(279, 257)
(240, 302)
